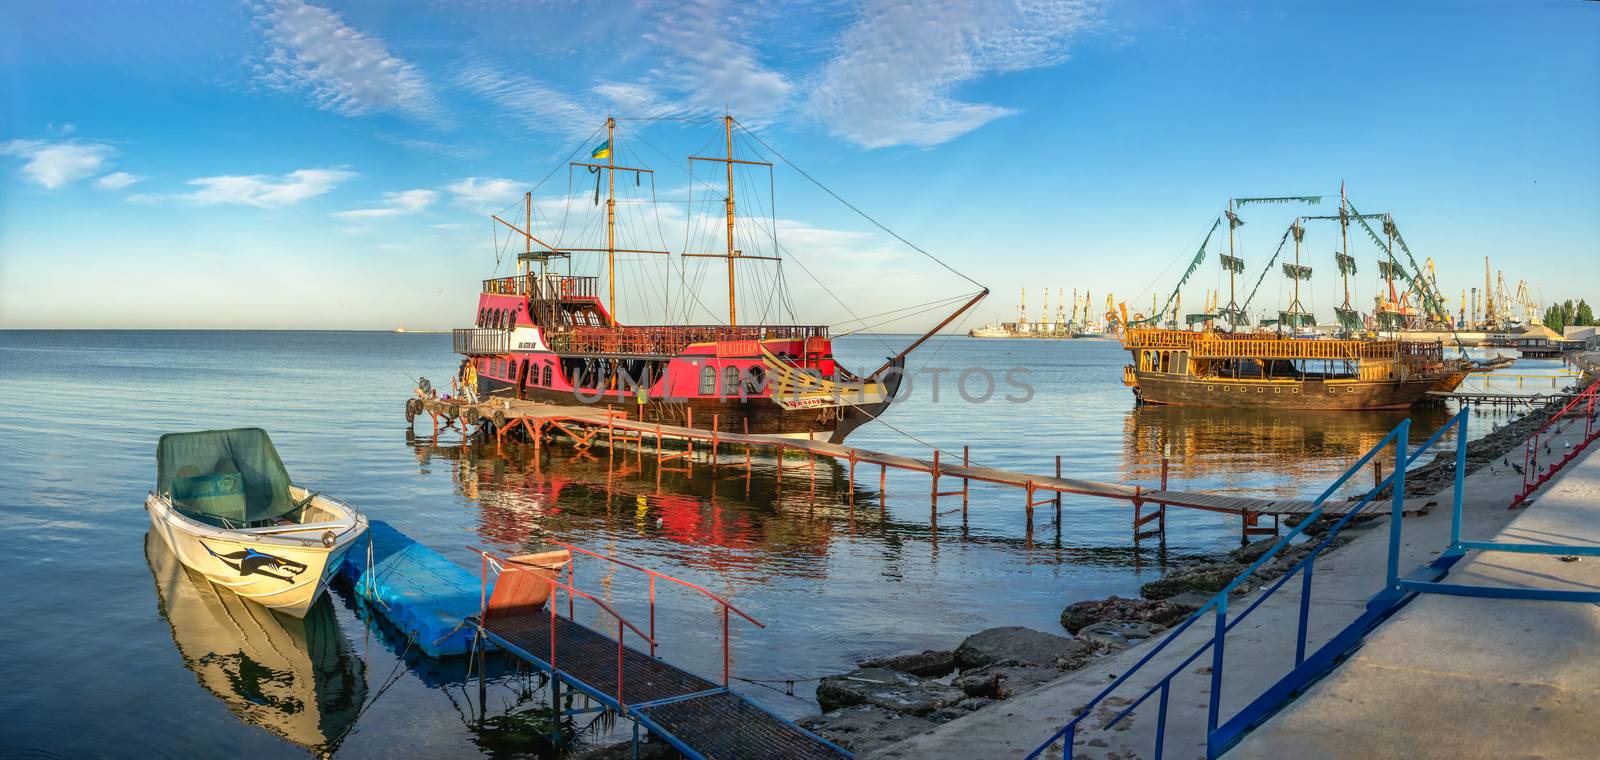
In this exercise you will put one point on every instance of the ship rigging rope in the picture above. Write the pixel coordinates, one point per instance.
(689, 228)
(1245, 307)
(921, 307)
(852, 207)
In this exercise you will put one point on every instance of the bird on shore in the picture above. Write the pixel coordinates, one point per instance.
(1517, 468)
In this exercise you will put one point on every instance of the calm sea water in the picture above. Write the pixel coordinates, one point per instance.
(110, 650)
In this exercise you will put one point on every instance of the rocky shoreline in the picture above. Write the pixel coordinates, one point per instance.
(889, 699)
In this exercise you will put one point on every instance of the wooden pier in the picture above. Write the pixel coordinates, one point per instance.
(587, 426)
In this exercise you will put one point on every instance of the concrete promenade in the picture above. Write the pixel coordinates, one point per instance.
(1261, 649)
(1456, 677)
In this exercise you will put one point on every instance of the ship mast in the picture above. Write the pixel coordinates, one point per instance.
(731, 253)
(1231, 225)
(1348, 317)
(611, 218)
(1234, 265)
(1344, 244)
(733, 309)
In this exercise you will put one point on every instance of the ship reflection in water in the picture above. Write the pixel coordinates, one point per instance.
(729, 522)
(1269, 452)
(299, 679)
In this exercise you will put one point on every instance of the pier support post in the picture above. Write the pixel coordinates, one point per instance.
(852, 481)
(1138, 511)
(483, 686)
(934, 472)
(883, 486)
(716, 420)
(964, 463)
(1030, 488)
(1057, 498)
(555, 710)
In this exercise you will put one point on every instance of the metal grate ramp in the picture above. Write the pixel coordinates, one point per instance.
(590, 657)
(726, 726)
(700, 718)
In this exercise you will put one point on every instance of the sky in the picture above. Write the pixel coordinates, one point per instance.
(288, 164)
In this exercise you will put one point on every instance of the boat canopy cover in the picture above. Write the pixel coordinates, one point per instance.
(234, 475)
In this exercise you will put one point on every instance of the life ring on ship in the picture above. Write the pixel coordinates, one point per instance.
(566, 288)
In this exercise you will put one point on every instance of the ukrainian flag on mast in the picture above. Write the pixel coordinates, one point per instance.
(604, 151)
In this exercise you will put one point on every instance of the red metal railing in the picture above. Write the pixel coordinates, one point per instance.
(623, 625)
(1535, 474)
(670, 340)
(726, 605)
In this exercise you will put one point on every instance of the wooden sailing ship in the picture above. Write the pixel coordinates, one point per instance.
(1220, 359)
(550, 335)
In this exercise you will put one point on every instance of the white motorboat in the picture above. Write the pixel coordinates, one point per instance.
(226, 508)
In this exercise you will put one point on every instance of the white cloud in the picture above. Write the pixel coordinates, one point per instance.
(711, 69)
(485, 191)
(893, 78)
(313, 51)
(264, 191)
(539, 106)
(631, 98)
(395, 204)
(457, 151)
(52, 165)
(116, 181)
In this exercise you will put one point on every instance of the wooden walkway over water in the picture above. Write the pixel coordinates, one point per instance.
(590, 425)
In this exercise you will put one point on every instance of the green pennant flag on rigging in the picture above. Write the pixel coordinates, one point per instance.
(1310, 200)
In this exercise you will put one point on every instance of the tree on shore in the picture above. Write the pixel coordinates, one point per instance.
(1561, 315)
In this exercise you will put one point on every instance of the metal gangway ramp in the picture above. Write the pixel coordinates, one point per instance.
(698, 717)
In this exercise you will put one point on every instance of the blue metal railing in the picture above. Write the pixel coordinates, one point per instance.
(1221, 735)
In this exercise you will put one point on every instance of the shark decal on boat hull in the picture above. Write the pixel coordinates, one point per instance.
(251, 562)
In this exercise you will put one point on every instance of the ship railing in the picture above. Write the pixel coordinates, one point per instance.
(543, 287)
(480, 340)
(726, 608)
(1223, 731)
(672, 339)
(1205, 345)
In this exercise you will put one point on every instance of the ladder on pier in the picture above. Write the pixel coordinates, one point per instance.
(696, 716)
